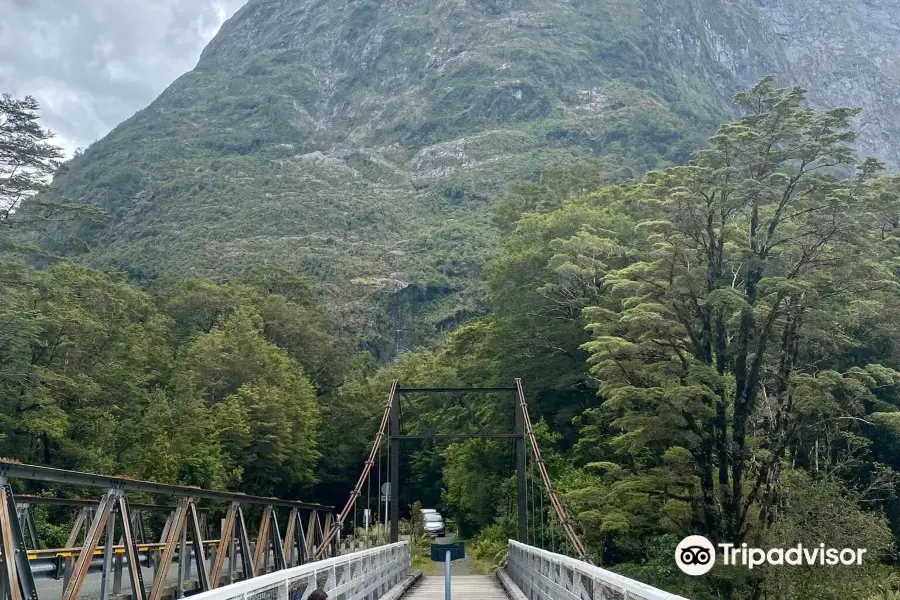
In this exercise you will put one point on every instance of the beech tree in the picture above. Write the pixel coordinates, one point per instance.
(755, 264)
(27, 157)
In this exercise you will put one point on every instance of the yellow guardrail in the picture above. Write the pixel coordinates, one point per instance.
(44, 553)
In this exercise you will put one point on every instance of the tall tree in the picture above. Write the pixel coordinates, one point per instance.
(753, 265)
(28, 161)
(27, 157)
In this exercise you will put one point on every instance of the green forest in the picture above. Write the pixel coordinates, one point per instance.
(710, 349)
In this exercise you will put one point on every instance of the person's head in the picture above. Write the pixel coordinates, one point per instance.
(318, 595)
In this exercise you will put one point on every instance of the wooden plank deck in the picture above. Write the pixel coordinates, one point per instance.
(462, 587)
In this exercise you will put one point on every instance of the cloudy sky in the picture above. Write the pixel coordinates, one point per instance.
(93, 63)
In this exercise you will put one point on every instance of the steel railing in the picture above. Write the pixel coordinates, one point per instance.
(542, 574)
(364, 575)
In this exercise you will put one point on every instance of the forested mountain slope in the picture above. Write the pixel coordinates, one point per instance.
(364, 143)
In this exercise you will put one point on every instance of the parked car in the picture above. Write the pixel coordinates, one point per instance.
(434, 524)
(425, 511)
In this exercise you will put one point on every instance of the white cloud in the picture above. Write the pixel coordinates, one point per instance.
(93, 63)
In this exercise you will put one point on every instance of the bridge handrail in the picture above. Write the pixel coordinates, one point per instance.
(380, 569)
(530, 569)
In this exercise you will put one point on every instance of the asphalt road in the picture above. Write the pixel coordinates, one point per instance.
(51, 589)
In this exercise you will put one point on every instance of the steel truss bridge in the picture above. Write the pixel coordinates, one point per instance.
(109, 538)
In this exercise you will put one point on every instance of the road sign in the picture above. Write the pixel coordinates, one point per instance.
(386, 488)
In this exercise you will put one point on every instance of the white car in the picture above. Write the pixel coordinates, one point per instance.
(434, 523)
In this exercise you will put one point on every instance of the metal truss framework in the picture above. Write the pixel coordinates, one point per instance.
(364, 575)
(184, 533)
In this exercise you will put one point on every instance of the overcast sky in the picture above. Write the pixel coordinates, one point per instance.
(93, 63)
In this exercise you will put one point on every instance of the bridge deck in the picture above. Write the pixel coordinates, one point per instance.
(462, 587)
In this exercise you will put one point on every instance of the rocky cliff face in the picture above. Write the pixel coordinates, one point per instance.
(363, 142)
(845, 53)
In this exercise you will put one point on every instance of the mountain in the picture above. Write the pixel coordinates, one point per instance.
(364, 143)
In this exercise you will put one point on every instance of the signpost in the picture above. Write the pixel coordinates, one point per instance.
(385, 494)
(455, 551)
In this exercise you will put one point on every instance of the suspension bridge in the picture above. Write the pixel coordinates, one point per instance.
(112, 539)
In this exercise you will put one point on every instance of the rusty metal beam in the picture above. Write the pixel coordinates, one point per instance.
(262, 541)
(303, 555)
(43, 500)
(131, 551)
(244, 544)
(290, 538)
(92, 540)
(311, 533)
(328, 524)
(53, 475)
(173, 536)
(26, 522)
(76, 529)
(19, 581)
(277, 547)
(197, 542)
(225, 537)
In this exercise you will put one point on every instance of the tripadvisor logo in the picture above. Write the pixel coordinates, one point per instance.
(696, 555)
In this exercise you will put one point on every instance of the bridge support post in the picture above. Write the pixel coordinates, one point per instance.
(80, 520)
(521, 482)
(108, 552)
(290, 539)
(261, 554)
(329, 523)
(311, 535)
(17, 579)
(172, 538)
(26, 524)
(394, 431)
(91, 541)
(244, 544)
(132, 558)
(196, 548)
(277, 544)
(226, 539)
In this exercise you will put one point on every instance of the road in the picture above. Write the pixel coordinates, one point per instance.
(49, 588)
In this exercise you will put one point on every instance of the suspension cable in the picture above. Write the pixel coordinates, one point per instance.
(357, 491)
(577, 545)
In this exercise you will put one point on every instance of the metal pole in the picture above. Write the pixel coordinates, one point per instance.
(117, 575)
(107, 555)
(447, 576)
(231, 561)
(395, 470)
(520, 474)
(68, 563)
(180, 591)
